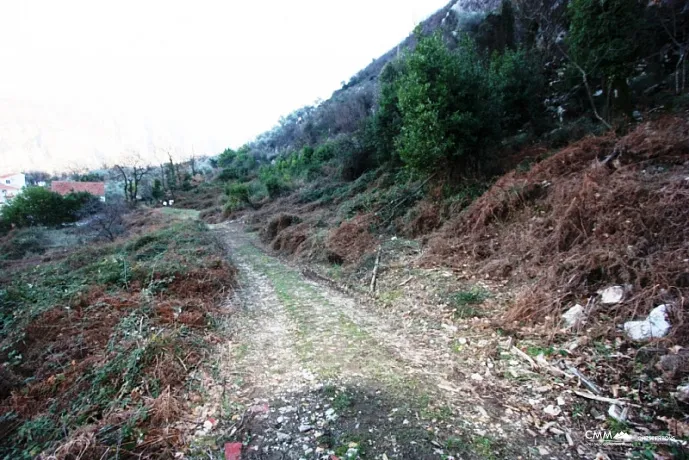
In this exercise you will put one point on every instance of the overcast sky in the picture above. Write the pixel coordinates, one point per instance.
(220, 71)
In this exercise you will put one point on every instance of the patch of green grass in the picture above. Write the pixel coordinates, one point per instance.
(390, 296)
(242, 351)
(342, 401)
(535, 350)
(464, 303)
(455, 444)
(351, 447)
(616, 426)
(485, 447)
(579, 410)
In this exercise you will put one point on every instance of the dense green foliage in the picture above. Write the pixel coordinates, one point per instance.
(449, 114)
(448, 109)
(456, 105)
(40, 206)
(605, 39)
(603, 36)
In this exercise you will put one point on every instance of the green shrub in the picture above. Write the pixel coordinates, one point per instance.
(519, 83)
(464, 302)
(450, 115)
(40, 206)
(324, 152)
(604, 39)
(387, 121)
(240, 192)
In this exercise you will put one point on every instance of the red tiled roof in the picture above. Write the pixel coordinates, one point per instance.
(64, 188)
(8, 188)
(4, 176)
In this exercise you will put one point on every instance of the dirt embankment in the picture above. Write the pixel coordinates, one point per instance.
(603, 211)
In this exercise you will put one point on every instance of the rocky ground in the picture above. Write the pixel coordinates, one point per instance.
(310, 371)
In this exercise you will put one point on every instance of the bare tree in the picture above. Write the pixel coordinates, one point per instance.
(192, 164)
(105, 219)
(132, 172)
(672, 16)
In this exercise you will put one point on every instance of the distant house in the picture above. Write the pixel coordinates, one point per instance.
(10, 186)
(65, 188)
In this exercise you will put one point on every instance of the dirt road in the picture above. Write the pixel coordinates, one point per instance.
(322, 373)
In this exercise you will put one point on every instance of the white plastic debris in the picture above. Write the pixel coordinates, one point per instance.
(612, 295)
(573, 316)
(655, 326)
(618, 413)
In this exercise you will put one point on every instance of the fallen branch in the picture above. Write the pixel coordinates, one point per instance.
(375, 272)
(406, 281)
(618, 402)
(524, 356)
(589, 384)
(409, 195)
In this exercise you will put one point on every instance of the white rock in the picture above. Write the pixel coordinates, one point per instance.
(477, 377)
(304, 428)
(282, 437)
(682, 393)
(573, 316)
(611, 295)
(655, 326)
(552, 410)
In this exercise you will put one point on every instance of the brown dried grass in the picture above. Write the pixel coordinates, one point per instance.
(290, 239)
(352, 239)
(572, 225)
(276, 225)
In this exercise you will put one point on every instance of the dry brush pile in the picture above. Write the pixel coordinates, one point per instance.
(603, 211)
(97, 347)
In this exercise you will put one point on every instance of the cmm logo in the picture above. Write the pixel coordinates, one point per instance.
(599, 435)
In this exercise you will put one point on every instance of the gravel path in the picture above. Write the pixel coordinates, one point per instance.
(312, 373)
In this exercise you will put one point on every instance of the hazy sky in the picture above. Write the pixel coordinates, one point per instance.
(218, 72)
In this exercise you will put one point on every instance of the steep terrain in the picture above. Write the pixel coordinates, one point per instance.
(602, 212)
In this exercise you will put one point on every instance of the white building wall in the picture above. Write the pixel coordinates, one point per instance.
(15, 180)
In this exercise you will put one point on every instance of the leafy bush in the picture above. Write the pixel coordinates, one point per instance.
(519, 83)
(604, 39)
(40, 206)
(449, 112)
(324, 152)
(237, 197)
(387, 120)
(236, 165)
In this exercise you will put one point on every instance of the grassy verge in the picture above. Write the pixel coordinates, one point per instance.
(96, 349)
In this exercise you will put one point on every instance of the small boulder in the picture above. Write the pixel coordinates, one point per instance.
(573, 316)
(612, 295)
(655, 326)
